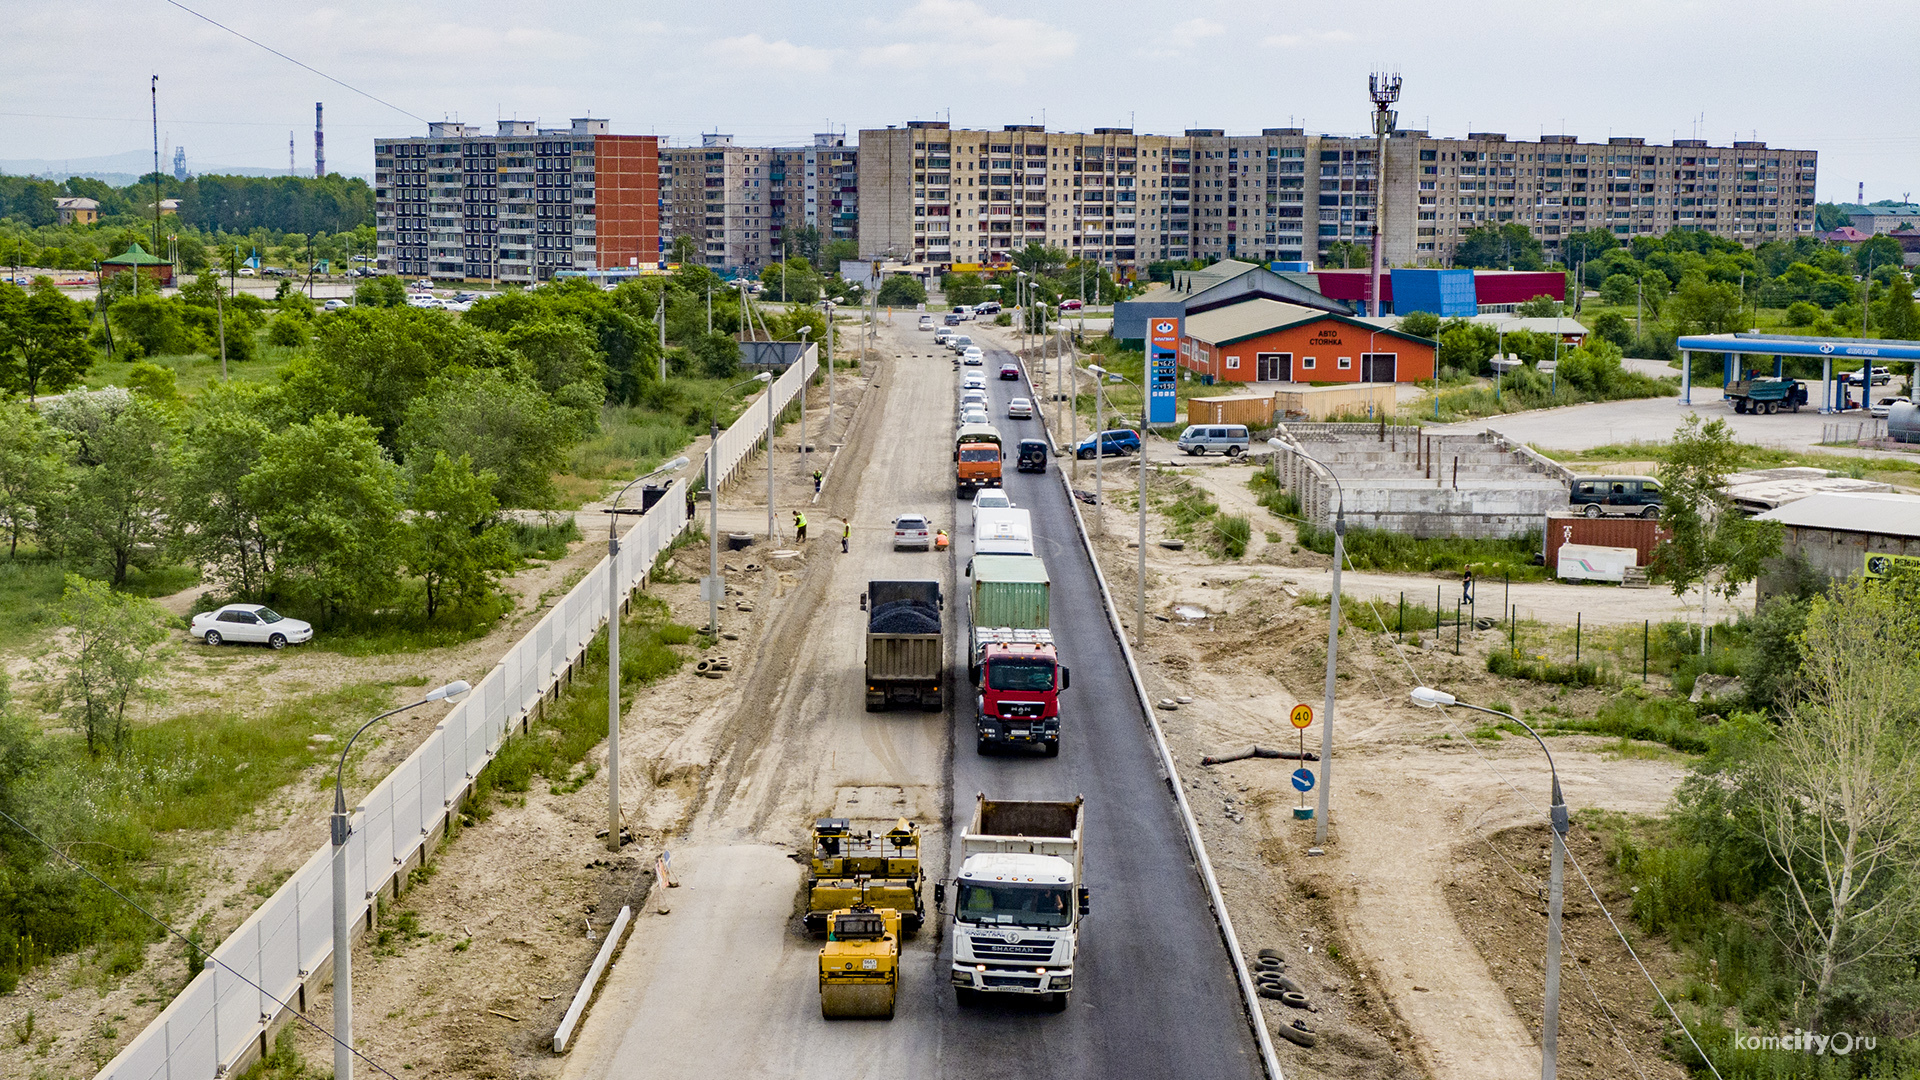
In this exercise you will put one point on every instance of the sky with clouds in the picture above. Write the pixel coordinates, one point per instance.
(74, 77)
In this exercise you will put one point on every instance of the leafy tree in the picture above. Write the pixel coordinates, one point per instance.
(1829, 216)
(1466, 346)
(902, 290)
(289, 331)
(803, 242)
(329, 204)
(374, 361)
(329, 501)
(794, 281)
(32, 469)
(1712, 307)
(1617, 290)
(1769, 676)
(215, 526)
(1877, 251)
(1037, 258)
(116, 644)
(43, 340)
(1710, 537)
(1839, 794)
(510, 430)
(1800, 313)
(1346, 255)
(157, 384)
(1655, 286)
(1588, 245)
(154, 326)
(1540, 307)
(717, 355)
(1613, 326)
(837, 252)
(454, 544)
(1500, 247)
(963, 288)
(121, 449)
(1896, 318)
(383, 291)
(1424, 324)
(685, 251)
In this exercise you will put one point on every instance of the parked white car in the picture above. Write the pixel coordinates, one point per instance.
(252, 624)
(336, 304)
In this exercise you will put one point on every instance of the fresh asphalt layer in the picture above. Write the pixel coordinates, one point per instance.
(1154, 990)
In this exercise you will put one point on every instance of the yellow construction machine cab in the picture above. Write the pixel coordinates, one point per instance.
(860, 963)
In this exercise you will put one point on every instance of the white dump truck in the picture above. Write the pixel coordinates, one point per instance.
(1018, 901)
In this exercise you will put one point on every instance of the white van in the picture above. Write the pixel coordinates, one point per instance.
(1229, 439)
(942, 335)
(1002, 531)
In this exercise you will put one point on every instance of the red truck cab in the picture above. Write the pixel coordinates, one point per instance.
(1019, 677)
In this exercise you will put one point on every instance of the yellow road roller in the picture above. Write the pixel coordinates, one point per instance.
(848, 868)
(860, 963)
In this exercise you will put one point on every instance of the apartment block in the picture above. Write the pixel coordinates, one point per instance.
(935, 194)
(517, 206)
(739, 202)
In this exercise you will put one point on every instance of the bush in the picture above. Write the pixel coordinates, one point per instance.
(1613, 326)
(289, 330)
(1537, 670)
(902, 290)
(1801, 313)
(1231, 533)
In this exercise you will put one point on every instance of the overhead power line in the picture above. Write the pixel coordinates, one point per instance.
(291, 60)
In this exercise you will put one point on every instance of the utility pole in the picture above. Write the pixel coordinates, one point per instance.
(660, 323)
(154, 87)
(1384, 88)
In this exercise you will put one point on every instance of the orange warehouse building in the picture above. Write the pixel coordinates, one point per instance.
(1268, 341)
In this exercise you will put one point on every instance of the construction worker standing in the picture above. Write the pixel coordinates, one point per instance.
(799, 527)
(846, 533)
(817, 477)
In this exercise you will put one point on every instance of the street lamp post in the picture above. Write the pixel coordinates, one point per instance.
(1140, 605)
(614, 591)
(1427, 697)
(801, 361)
(712, 585)
(342, 924)
(770, 465)
(1333, 643)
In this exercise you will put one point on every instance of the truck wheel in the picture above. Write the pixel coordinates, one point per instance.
(1740, 405)
(1053, 749)
(1056, 1002)
(1770, 407)
(965, 996)
(981, 746)
(875, 707)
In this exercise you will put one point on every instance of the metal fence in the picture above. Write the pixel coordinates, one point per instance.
(262, 970)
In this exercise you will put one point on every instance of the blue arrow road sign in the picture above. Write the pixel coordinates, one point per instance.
(1303, 779)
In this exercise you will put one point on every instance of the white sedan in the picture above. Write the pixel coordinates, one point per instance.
(251, 623)
(974, 381)
(1020, 409)
(912, 530)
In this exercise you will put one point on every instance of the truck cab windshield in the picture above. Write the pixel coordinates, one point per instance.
(983, 452)
(1020, 675)
(1019, 905)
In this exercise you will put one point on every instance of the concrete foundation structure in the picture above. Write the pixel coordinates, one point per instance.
(1398, 479)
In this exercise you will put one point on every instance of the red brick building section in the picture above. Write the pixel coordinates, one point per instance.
(626, 206)
(1268, 341)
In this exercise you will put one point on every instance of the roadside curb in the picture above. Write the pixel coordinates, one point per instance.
(1250, 1000)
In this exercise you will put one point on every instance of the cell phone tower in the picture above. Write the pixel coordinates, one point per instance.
(1384, 89)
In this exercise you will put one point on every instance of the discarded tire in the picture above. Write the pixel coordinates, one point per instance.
(737, 541)
(1297, 1033)
(1293, 1000)
(1279, 982)
(1270, 954)
(1269, 963)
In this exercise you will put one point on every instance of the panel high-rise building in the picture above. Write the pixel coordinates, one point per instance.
(931, 193)
(519, 205)
(741, 203)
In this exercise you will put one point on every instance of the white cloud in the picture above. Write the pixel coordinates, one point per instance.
(755, 55)
(1194, 31)
(962, 37)
(1310, 37)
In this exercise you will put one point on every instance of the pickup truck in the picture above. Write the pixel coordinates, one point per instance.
(1018, 901)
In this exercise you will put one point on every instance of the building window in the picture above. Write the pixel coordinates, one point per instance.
(1346, 363)
(1307, 362)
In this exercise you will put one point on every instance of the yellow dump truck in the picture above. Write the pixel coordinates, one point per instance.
(860, 963)
(850, 868)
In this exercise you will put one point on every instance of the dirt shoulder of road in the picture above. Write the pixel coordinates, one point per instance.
(1400, 983)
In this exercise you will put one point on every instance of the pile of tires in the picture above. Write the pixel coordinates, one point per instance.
(1270, 981)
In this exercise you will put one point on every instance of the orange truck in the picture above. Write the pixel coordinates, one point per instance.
(977, 454)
